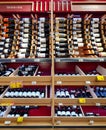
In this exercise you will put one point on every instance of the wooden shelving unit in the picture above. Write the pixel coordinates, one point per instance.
(52, 80)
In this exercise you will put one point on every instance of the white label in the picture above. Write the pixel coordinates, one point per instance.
(33, 82)
(59, 82)
(13, 60)
(101, 59)
(7, 122)
(88, 82)
(80, 40)
(36, 60)
(98, 104)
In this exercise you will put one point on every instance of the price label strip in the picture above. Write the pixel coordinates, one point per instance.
(82, 100)
(100, 78)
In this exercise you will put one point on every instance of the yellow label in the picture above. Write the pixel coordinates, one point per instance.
(100, 78)
(20, 119)
(82, 100)
(13, 85)
(6, 104)
(19, 85)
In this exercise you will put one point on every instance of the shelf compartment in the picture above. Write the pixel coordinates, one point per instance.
(71, 92)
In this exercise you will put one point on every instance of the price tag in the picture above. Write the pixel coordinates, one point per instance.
(59, 82)
(82, 100)
(6, 104)
(88, 82)
(13, 60)
(20, 119)
(18, 84)
(36, 60)
(33, 82)
(13, 85)
(81, 60)
(98, 104)
(100, 78)
(101, 59)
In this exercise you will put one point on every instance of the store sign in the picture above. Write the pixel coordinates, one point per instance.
(88, 6)
(16, 6)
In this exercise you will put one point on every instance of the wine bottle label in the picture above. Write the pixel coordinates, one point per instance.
(60, 19)
(98, 39)
(60, 39)
(76, 52)
(17, 115)
(60, 35)
(22, 50)
(43, 45)
(26, 19)
(80, 115)
(26, 35)
(95, 19)
(24, 45)
(41, 34)
(74, 32)
(96, 35)
(42, 39)
(95, 30)
(80, 39)
(7, 45)
(41, 25)
(77, 19)
(95, 25)
(26, 25)
(42, 19)
(25, 39)
(41, 55)
(100, 49)
(26, 30)
(20, 55)
(80, 44)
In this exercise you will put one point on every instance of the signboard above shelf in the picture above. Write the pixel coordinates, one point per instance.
(88, 6)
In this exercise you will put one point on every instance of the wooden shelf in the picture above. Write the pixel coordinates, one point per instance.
(27, 121)
(30, 80)
(75, 101)
(26, 101)
(80, 121)
(78, 80)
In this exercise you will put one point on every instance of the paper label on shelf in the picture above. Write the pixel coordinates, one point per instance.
(6, 104)
(33, 82)
(13, 85)
(100, 78)
(13, 60)
(20, 119)
(82, 100)
(59, 82)
(88, 82)
(18, 84)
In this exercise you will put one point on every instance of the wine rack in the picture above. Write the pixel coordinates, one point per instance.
(53, 64)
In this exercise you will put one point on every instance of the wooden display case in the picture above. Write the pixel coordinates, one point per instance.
(51, 65)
